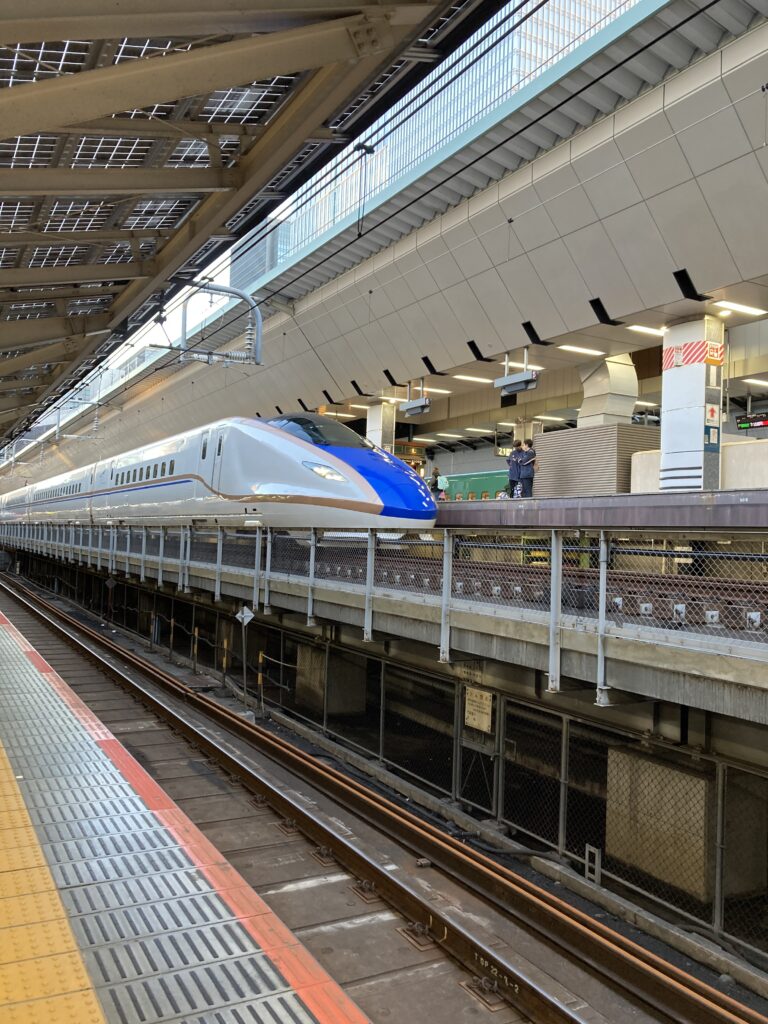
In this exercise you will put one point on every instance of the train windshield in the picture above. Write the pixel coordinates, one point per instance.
(320, 430)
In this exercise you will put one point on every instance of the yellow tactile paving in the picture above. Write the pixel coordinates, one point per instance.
(31, 941)
(17, 839)
(46, 976)
(72, 1008)
(18, 858)
(24, 882)
(17, 818)
(42, 974)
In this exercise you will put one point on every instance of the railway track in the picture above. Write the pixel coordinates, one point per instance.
(537, 957)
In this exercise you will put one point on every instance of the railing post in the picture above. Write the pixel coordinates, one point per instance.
(257, 570)
(99, 537)
(718, 907)
(160, 554)
(268, 572)
(180, 567)
(601, 695)
(370, 563)
(445, 605)
(555, 609)
(89, 560)
(128, 552)
(143, 563)
(219, 553)
(311, 580)
(562, 819)
(112, 549)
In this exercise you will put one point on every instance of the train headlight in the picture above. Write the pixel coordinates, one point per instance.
(326, 472)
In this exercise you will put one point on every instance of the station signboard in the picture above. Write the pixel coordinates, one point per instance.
(753, 422)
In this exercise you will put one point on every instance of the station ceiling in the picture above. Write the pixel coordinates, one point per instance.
(149, 136)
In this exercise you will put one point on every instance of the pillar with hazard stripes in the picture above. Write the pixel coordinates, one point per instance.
(691, 401)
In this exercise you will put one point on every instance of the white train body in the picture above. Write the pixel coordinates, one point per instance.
(238, 472)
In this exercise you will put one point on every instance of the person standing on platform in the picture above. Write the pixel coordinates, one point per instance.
(515, 463)
(527, 468)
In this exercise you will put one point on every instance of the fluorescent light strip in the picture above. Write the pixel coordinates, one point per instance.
(341, 415)
(553, 419)
(754, 380)
(472, 380)
(648, 405)
(458, 437)
(480, 430)
(737, 307)
(434, 391)
(430, 439)
(366, 407)
(581, 351)
(642, 329)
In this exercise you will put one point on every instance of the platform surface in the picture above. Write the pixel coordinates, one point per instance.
(114, 907)
(701, 510)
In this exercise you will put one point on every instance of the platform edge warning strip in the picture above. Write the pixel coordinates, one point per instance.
(320, 994)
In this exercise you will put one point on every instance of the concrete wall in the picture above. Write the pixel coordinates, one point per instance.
(744, 466)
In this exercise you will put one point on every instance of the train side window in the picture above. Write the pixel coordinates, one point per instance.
(154, 472)
(141, 472)
(148, 473)
(162, 470)
(170, 468)
(134, 476)
(205, 448)
(218, 447)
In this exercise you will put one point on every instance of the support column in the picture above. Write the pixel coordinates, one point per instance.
(380, 426)
(691, 399)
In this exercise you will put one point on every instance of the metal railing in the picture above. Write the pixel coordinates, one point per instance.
(704, 594)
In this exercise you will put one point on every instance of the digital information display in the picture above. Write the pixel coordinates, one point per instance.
(753, 422)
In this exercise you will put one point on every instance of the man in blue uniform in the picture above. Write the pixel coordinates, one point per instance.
(515, 465)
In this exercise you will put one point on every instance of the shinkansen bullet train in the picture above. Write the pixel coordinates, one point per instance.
(296, 471)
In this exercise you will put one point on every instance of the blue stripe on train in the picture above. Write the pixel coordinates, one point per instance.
(404, 494)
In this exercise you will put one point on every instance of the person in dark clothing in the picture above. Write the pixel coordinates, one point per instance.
(527, 468)
(515, 463)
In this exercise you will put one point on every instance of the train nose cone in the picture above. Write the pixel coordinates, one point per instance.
(403, 493)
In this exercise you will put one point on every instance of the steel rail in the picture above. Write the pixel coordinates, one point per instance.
(664, 987)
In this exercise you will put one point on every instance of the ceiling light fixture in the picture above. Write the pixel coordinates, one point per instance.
(753, 380)
(648, 405)
(737, 307)
(480, 430)
(457, 436)
(725, 312)
(433, 391)
(521, 366)
(581, 351)
(472, 380)
(431, 440)
(642, 329)
(366, 407)
(553, 419)
(341, 415)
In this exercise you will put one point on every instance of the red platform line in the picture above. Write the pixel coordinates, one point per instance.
(319, 993)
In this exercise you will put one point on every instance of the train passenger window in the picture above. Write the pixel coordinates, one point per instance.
(148, 473)
(141, 472)
(162, 470)
(170, 468)
(134, 476)
(154, 472)
(218, 449)
(205, 447)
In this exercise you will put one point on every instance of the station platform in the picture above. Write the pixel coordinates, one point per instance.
(114, 907)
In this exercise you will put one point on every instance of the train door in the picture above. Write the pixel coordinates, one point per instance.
(218, 457)
(205, 461)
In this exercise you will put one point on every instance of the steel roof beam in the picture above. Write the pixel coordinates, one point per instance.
(54, 294)
(52, 103)
(161, 128)
(23, 333)
(20, 383)
(324, 93)
(140, 19)
(79, 273)
(56, 353)
(99, 236)
(76, 181)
